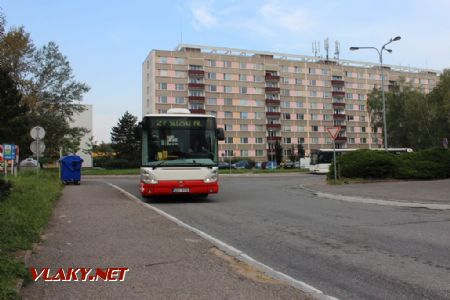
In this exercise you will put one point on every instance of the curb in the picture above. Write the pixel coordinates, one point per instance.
(366, 200)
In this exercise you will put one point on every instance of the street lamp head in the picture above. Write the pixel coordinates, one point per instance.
(354, 48)
(388, 50)
(397, 38)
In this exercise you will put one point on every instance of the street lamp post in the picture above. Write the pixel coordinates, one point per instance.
(380, 55)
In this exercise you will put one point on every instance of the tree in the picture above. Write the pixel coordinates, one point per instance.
(124, 140)
(301, 150)
(14, 126)
(278, 152)
(293, 156)
(414, 119)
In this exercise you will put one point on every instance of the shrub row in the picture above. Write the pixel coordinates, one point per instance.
(425, 164)
(116, 163)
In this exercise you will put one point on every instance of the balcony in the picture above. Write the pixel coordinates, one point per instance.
(273, 114)
(196, 73)
(197, 98)
(270, 77)
(271, 152)
(339, 116)
(270, 89)
(339, 94)
(197, 111)
(273, 126)
(337, 82)
(272, 102)
(338, 105)
(196, 86)
(273, 138)
(341, 139)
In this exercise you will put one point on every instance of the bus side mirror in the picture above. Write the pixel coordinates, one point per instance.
(220, 134)
(138, 131)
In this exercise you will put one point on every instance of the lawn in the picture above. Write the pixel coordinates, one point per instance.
(23, 216)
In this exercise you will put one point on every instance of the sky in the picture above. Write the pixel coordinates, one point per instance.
(107, 41)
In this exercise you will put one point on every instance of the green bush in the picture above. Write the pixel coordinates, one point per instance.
(365, 164)
(425, 164)
(115, 163)
(5, 187)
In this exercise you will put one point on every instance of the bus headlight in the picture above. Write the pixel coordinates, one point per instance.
(147, 177)
(212, 177)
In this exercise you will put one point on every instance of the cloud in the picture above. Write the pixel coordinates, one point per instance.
(203, 17)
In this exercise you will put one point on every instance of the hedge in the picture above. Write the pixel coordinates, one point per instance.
(425, 164)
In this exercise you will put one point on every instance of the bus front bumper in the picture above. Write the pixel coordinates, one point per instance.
(179, 187)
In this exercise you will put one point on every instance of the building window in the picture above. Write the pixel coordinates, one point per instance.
(315, 128)
(243, 102)
(179, 61)
(349, 95)
(284, 92)
(228, 127)
(244, 127)
(362, 107)
(259, 115)
(229, 153)
(228, 114)
(314, 140)
(285, 80)
(212, 88)
(244, 115)
(213, 113)
(298, 81)
(227, 76)
(351, 140)
(229, 140)
(242, 77)
(259, 153)
(312, 71)
(212, 62)
(299, 104)
(326, 94)
(361, 96)
(258, 78)
(350, 118)
(313, 93)
(363, 129)
(179, 87)
(286, 116)
(162, 72)
(259, 103)
(163, 86)
(244, 140)
(163, 99)
(212, 101)
(243, 90)
(179, 100)
(244, 153)
(259, 140)
(315, 117)
(287, 128)
(300, 129)
(313, 82)
(228, 89)
(302, 140)
(362, 118)
(349, 106)
(259, 128)
(284, 104)
(327, 106)
(300, 117)
(212, 76)
(298, 70)
(228, 101)
(227, 64)
(325, 71)
(163, 60)
(363, 141)
(180, 74)
(328, 117)
(287, 140)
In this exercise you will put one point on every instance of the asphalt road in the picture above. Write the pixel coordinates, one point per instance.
(347, 250)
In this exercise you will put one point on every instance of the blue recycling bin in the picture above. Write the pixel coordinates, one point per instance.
(71, 169)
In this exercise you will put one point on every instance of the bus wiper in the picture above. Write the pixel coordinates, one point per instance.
(159, 164)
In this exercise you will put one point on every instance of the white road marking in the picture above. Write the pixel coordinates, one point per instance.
(236, 253)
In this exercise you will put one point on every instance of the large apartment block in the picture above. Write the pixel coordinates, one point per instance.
(261, 98)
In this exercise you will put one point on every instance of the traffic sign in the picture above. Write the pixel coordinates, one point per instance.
(333, 131)
(37, 132)
(34, 147)
(9, 152)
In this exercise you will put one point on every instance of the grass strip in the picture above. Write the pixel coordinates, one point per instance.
(23, 216)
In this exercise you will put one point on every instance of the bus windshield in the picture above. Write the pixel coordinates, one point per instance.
(179, 141)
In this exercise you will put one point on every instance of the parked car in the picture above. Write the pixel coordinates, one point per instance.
(271, 165)
(288, 164)
(224, 165)
(242, 164)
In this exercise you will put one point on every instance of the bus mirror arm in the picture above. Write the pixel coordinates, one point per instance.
(220, 134)
(138, 131)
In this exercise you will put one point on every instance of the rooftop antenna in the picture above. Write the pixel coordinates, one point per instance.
(326, 46)
(181, 38)
(337, 47)
(316, 47)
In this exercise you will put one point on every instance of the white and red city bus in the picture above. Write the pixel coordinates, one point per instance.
(179, 154)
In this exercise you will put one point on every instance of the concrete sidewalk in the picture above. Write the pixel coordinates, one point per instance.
(95, 226)
(431, 194)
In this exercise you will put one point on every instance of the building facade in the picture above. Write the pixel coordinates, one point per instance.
(265, 98)
(84, 119)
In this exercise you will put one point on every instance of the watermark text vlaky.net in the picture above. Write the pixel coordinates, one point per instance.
(79, 274)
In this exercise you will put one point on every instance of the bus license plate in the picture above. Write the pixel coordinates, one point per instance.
(181, 190)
